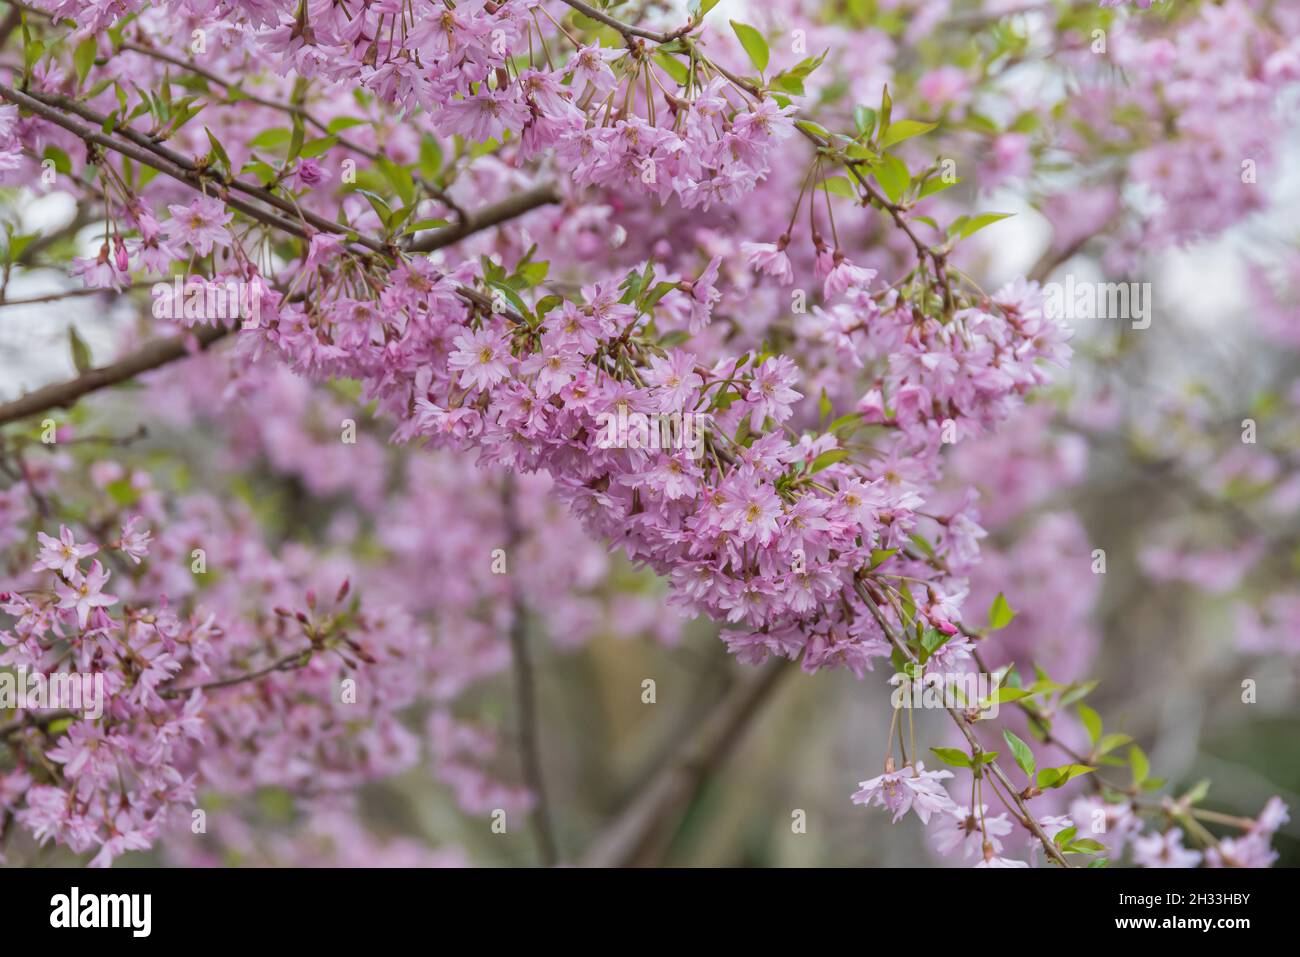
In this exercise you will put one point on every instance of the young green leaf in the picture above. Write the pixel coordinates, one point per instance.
(1000, 613)
(892, 175)
(1137, 759)
(753, 43)
(954, 756)
(904, 130)
(1092, 721)
(81, 359)
(1020, 751)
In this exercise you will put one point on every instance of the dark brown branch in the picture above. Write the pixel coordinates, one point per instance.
(489, 216)
(291, 662)
(150, 356)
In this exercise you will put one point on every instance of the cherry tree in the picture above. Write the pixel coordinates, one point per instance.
(525, 296)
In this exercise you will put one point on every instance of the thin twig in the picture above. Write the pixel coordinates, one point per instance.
(527, 721)
(1027, 817)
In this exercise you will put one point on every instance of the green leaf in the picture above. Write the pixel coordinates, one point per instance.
(892, 175)
(263, 171)
(1198, 792)
(923, 543)
(1092, 721)
(423, 224)
(17, 244)
(340, 123)
(62, 162)
(840, 186)
(1086, 845)
(1137, 759)
(954, 756)
(1020, 751)
(534, 274)
(1000, 613)
(816, 129)
(219, 152)
(270, 139)
(122, 492)
(844, 421)
(974, 224)
(313, 148)
(1110, 742)
(790, 84)
(83, 58)
(904, 130)
(1056, 777)
(401, 180)
(674, 68)
(699, 9)
(864, 120)
(880, 555)
(296, 138)
(935, 184)
(753, 43)
(58, 727)
(378, 203)
(81, 359)
(827, 459)
(511, 296)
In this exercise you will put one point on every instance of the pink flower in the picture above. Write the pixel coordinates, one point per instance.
(135, 540)
(310, 174)
(770, 259)
(960, 828)
(590, 64)
(704, 295)
(677, 380)
(908, 789)
(201, 224)
(1164, 850)
(483, 358)
(752, 512)
(102, 272)
(770, 392)
(947, 84)
(844, 275)
(84, 592)
(62, 554)
(486, 115)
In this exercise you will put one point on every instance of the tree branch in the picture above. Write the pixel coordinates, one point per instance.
(163, 351)
(626, 837)
(150, 356)
(526, 716)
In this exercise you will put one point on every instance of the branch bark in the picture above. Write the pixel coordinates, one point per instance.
(150, 356)
(525, 686)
